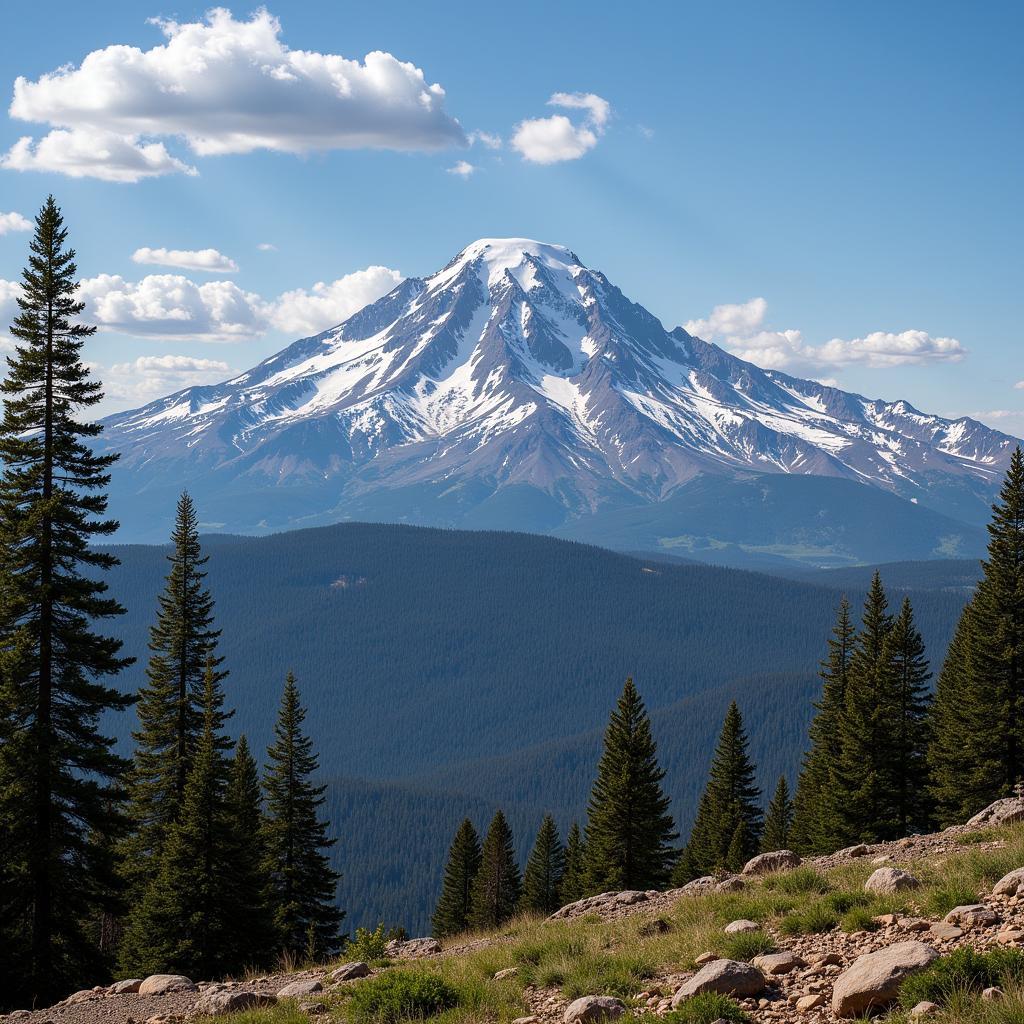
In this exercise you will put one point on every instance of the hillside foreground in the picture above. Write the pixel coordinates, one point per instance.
(788, 944)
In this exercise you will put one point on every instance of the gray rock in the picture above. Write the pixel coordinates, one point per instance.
(972, 915)
(874, 979)
(741, 927)
(225, 1001)
(1010, 884)
(860, 850)
(890, 880)
(925, 1008)
(300, 988)
(506, 972)
(943, 931)
(592, 1009)
(127, 985)
(777, 860)
(1002, 812)
(348, 972)
(161, 984)
(727, 977)
(732, 884)
(410, 949)
(778, 963)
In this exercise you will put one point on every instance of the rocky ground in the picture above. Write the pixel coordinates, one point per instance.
(822, 977)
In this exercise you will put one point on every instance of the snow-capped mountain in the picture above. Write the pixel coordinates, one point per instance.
(518, 371)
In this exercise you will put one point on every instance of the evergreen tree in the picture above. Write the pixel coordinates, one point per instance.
(182, 642)
(303, 885)
(497, 886)
(456, 903)
(574, 877)
(815, 813)
(731, 800)
(907, 762)
(978, 752)
(778, 822)
(61, 798)
(542, 879)
(629, 829)
(187, 914)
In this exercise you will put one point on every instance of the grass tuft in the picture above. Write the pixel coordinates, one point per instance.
(963, 972)
(746, 946)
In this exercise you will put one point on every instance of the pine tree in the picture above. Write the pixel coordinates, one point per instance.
(303, 885)
(574, 877)
(978, 751)
(907, 761)
(186, 916)
(182, 641)
(497, 886)
(629, 829)
(731, 800)
(62, 797)
(778, 822)
(456, 903)
(815, 814)
(542, 879)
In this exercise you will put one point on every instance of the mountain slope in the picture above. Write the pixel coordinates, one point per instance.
(517, 384)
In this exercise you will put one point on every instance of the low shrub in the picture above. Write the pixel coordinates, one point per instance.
(965, 970)
(859, 919)
(844, 901)
(747, 945)
(368, 946)
(400, 995)
(706, 1008)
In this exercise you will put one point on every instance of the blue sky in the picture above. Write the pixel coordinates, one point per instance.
(857, 167)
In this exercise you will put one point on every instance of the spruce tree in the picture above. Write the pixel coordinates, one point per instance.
(778, 822)
(542, 879)
(62, 796)
(187, 914)
(728, 824)
(629, 828)
(574, 877)
(978, 750)
(815, 813)
(456, 902)
(303, 885)
(497, 886)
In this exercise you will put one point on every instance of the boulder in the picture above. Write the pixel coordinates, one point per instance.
(220, 1003)
(298, 989)
(890, 880)
(699, 884)
(593, 1009)
(741, 927)
(860, 850)
(777, 860)
(874, 979)
(810, 1002)
(778, 963)
(161, 984)
(972, 915)
(79, 997)
(349, 972)
(731, 884)
(412, 948)
(1002, 812)
(945, 932)
(727, 977)
(1011, 884)
(119, 988)
(925, 1008)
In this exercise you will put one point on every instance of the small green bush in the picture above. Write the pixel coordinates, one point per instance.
(844, 901)
(962, 971)
(368, 946)
(812, 920)
(860, 919)
(746, 946)
(949, 893)
(800, 880)
(400, 996)
(706, 1008)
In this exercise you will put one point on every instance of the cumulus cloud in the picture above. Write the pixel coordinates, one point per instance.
(1009, 421)
(149, 377)
(463, 169)
(740, 328)
(325, 304)
(550, 140)
(488, 139)
(210, 260)
(14, 222)
(223, 86)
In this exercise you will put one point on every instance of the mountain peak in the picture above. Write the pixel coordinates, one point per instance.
(499, 255)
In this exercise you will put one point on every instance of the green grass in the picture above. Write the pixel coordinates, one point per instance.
(812, 920)
(746, 946)
(285, 1012)
(803, 879)
(704, 1008)
(963, 972)
(400, 995)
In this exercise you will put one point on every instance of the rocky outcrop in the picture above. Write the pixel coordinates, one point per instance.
(349, 972)
(874, 979)
(1002, 812)
(890, 880)
(412, 949)
(124, 986)
(1011, 884)
(771, 964)
(593, 1010)
(727, 977)
(300, 988)
(777, 860)
(606, 902)
(161, 984)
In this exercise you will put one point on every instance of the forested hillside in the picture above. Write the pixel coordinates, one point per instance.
(447, 672)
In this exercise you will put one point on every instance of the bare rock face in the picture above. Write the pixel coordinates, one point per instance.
(300, 988)
(120, 988)
(973, 915)
(410, 949)
(727, 977)
(777, 860)
(1002, 812)
(1011, 884)
(161, 984)
(741, 927)
(874, 979)
(349, 972)
(602, 904)
(890, 880)
(593, 1010)
(218, 1004)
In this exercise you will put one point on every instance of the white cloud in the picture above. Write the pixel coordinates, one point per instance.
(149, 377)
(550, 140)
(210, 260)
(1009, 421)
(488, 139)
(1019, 386)
(224, 86)
(463, 169)
(14, 222)
(9, 292)
(324, 305)
(740, 328)
(267, 247)
(92, 153)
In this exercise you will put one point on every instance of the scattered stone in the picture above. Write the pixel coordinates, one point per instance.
(412, 948)
(974, 915)
(883, 859)
(1010, 936)
(705, 958)
(313, 1009)
(811, 1002)
(860, 850)
(593, 1009)
(913, 924)
(506, 972)
(924, 1009)
(302, 987)
(778, 963)
(945, 932)
(777, 860)
(885, 920)
(890, 880)
(526, 1020)
(659, 926)
(741, 927)
(349, 972)
(1002, 812)
(161, 984)
(874, 979)
(828, 960)
(993, 994)
(727, 977)
(1011, 884)
(127, 985)
(219, 1003)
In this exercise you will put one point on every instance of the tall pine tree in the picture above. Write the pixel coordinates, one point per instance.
(728, 824)
(629, 828)
(574, 877)
(456, 902)
(778, 821)
(303, 885)
(542, 879)
(815, 812)
(978, 752)
(497, 886)
(61, 778)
